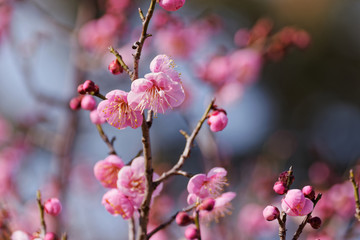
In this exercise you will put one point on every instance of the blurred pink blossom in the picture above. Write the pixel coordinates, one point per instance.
(116, 203)
(106, 171)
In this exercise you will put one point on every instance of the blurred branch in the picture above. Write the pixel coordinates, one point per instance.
(356, 194)
(106, 139)
(41, 210)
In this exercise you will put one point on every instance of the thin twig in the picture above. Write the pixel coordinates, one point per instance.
(186, 153)
(142, 39)
(121, 61)
(183, 173)
(168, 222)
(105, 139)
(197, 223)
(282, 226)
(304, 222)
(356, 194)
(42, 219)
(64, 236)
(132, 229)
(99, 95)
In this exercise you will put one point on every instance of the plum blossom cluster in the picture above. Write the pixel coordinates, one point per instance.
(230, 73)
(126, 183)
(296, 202)
(206, 194)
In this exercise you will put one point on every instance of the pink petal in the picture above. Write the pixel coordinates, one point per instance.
(217, 172)
(196, 183)
(308, 207)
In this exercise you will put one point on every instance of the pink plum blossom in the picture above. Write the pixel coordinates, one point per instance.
(131, 181)
(53, 206)
(192, 232)
(117, 111)
(95, 117)
(210, 185)
(156, 92)
(116, 203)
(163, 63)
(171, 5)
(217, 120)
(106, 171)
(295, 203)
(245, 65)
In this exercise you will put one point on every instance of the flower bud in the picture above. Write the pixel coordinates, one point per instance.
(50, 236)
(88, 103)
(80, 89)
(183, 219)
(207, 205)
(309, 192)
(53, 206)
(171, 5)
(217, 120)
(280, 188)
(75, 103)
(192, 233)
(315, 222)
(89, 86)
(301, 39)
(115, 67)
(271, 213)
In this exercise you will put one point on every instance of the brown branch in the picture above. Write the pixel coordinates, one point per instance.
(304, 222)
(142, 38)
(132, 229)
(149, 186)
(168, 222)
(282, 226)
(121, 61)
(356, 194)
(105, 139)
(189, 143)
(183, 173)
(64, 236)
(42, 219)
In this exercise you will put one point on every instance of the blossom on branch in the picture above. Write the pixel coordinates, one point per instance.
(106, 171)
(296, 204)
(117, 112)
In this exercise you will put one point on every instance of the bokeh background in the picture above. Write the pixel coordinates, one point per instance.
(303, 110)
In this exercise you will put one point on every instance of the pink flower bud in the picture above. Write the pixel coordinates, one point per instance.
(80, 89)
(309, 192)
(191, 232)
(89, 86)
(171, 5)
(88, 103)
(315, 222)
(50, 236)
(53, 206)
(301, 39)
(75, 103)
(183, 219)
(217, 120)
(115, 67)
(280, 188)
(271, 213)
(207, 205)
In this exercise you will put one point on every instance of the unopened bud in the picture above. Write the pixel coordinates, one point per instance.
(89, 86)
(315, 222)
(183, 219)
(53, 206)
(80, 89)
(115, 67)
(207, 205)
(50, 236)
(271, 213)
(75, 103)
(280, 188)
(88, 103)
(309, 192)
(192, 233)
